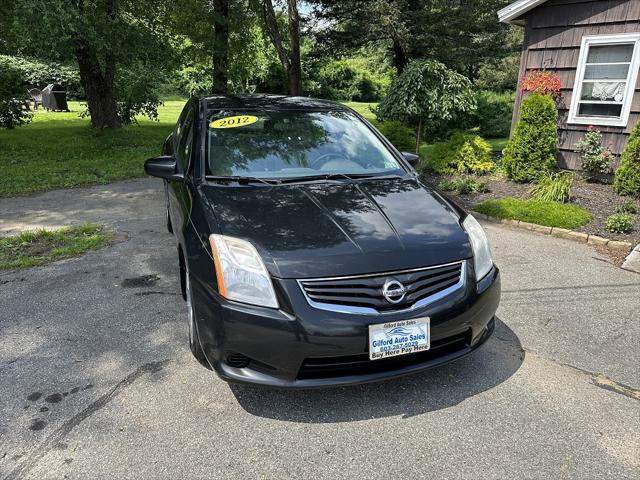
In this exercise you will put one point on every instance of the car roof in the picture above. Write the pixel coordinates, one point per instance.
(269, 102)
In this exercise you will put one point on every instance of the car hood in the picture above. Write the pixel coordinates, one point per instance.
(341, 228)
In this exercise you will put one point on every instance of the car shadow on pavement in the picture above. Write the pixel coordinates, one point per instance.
(442, 387)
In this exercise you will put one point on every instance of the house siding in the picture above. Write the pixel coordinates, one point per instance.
(553, 35)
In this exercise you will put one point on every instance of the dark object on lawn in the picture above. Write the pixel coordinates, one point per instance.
(54, 97)
(36, 95)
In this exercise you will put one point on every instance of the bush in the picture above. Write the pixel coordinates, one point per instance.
(463, 186)
(532, 149)
(462, 153)
(550, 214)
(628, 206)
(620, 223)
(12, 97)
(627, 180)
(595, 158)
(39, 74)
(553, 187)
(493, 115)
(349, 80)
(399, 135)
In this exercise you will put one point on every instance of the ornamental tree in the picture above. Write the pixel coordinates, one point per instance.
(426, 94)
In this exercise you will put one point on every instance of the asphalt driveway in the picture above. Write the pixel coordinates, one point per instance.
(96, 380)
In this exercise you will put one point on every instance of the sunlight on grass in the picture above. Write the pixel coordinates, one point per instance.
(550, 214)
(61, 150)
(38, 247)
(364, 109)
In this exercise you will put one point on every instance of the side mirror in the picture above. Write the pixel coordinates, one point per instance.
(164, 167)
(411, 158)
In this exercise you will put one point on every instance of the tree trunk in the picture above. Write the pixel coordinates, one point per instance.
(418, 136)
(98, 87)
(399, 56)
(220, 45)
(295, 67)
(290, 61)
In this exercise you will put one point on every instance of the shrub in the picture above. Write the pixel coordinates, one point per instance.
(462, 153)
(493, 115)
(399, 135)
(620, 223)
(628, 206)
(12, 97)
(553, 187)
(627, 180)
(349, 79)
(550, 214)
(532, 149)
(463, 186)
(595, 157)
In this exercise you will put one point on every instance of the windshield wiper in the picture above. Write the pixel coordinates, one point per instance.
(243, 179)
(337, 176)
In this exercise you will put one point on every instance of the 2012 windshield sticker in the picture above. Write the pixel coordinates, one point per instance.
(234, 122)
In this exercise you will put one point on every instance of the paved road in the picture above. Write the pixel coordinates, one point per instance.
(96, 380)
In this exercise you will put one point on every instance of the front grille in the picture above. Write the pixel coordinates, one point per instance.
(363, 294)
(331, 367)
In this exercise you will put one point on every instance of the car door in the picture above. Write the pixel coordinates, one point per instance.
(179, 194)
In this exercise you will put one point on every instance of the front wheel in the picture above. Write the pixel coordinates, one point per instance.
(194, 341)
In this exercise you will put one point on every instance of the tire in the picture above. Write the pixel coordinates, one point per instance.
(194, 341)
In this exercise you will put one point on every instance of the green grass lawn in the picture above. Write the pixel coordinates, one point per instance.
(34, 248)
(60, 150)
(363, 109)
(550, 214)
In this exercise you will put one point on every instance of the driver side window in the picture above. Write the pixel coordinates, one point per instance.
(183, 139)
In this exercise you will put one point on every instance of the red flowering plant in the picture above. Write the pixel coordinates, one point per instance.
(542, 82)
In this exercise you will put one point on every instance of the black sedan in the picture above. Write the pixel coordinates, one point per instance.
(310, 252)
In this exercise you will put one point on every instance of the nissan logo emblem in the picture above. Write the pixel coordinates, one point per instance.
(393, 291)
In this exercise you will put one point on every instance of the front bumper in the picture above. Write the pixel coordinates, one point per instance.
(315, 348)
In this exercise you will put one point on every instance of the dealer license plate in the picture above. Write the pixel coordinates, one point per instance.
(399, 338)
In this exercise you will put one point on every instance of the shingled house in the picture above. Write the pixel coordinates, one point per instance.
(594, 47)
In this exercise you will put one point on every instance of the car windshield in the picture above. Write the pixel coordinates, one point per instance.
(286, 145)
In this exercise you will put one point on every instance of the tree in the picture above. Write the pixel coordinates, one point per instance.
(462, 34)
(426, 94)
(104, 37)
(220, 45)
(290, 60)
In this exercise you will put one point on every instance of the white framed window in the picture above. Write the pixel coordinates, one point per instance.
(605, 79)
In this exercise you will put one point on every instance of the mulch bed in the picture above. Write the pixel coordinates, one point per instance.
(599, 199)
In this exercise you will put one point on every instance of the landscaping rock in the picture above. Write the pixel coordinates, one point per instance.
(535, 228)
(561, 233)
(596, 240)
(619, 246)
(506, 221)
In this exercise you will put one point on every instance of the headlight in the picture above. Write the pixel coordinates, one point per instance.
(480, 244)
(241, 273)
